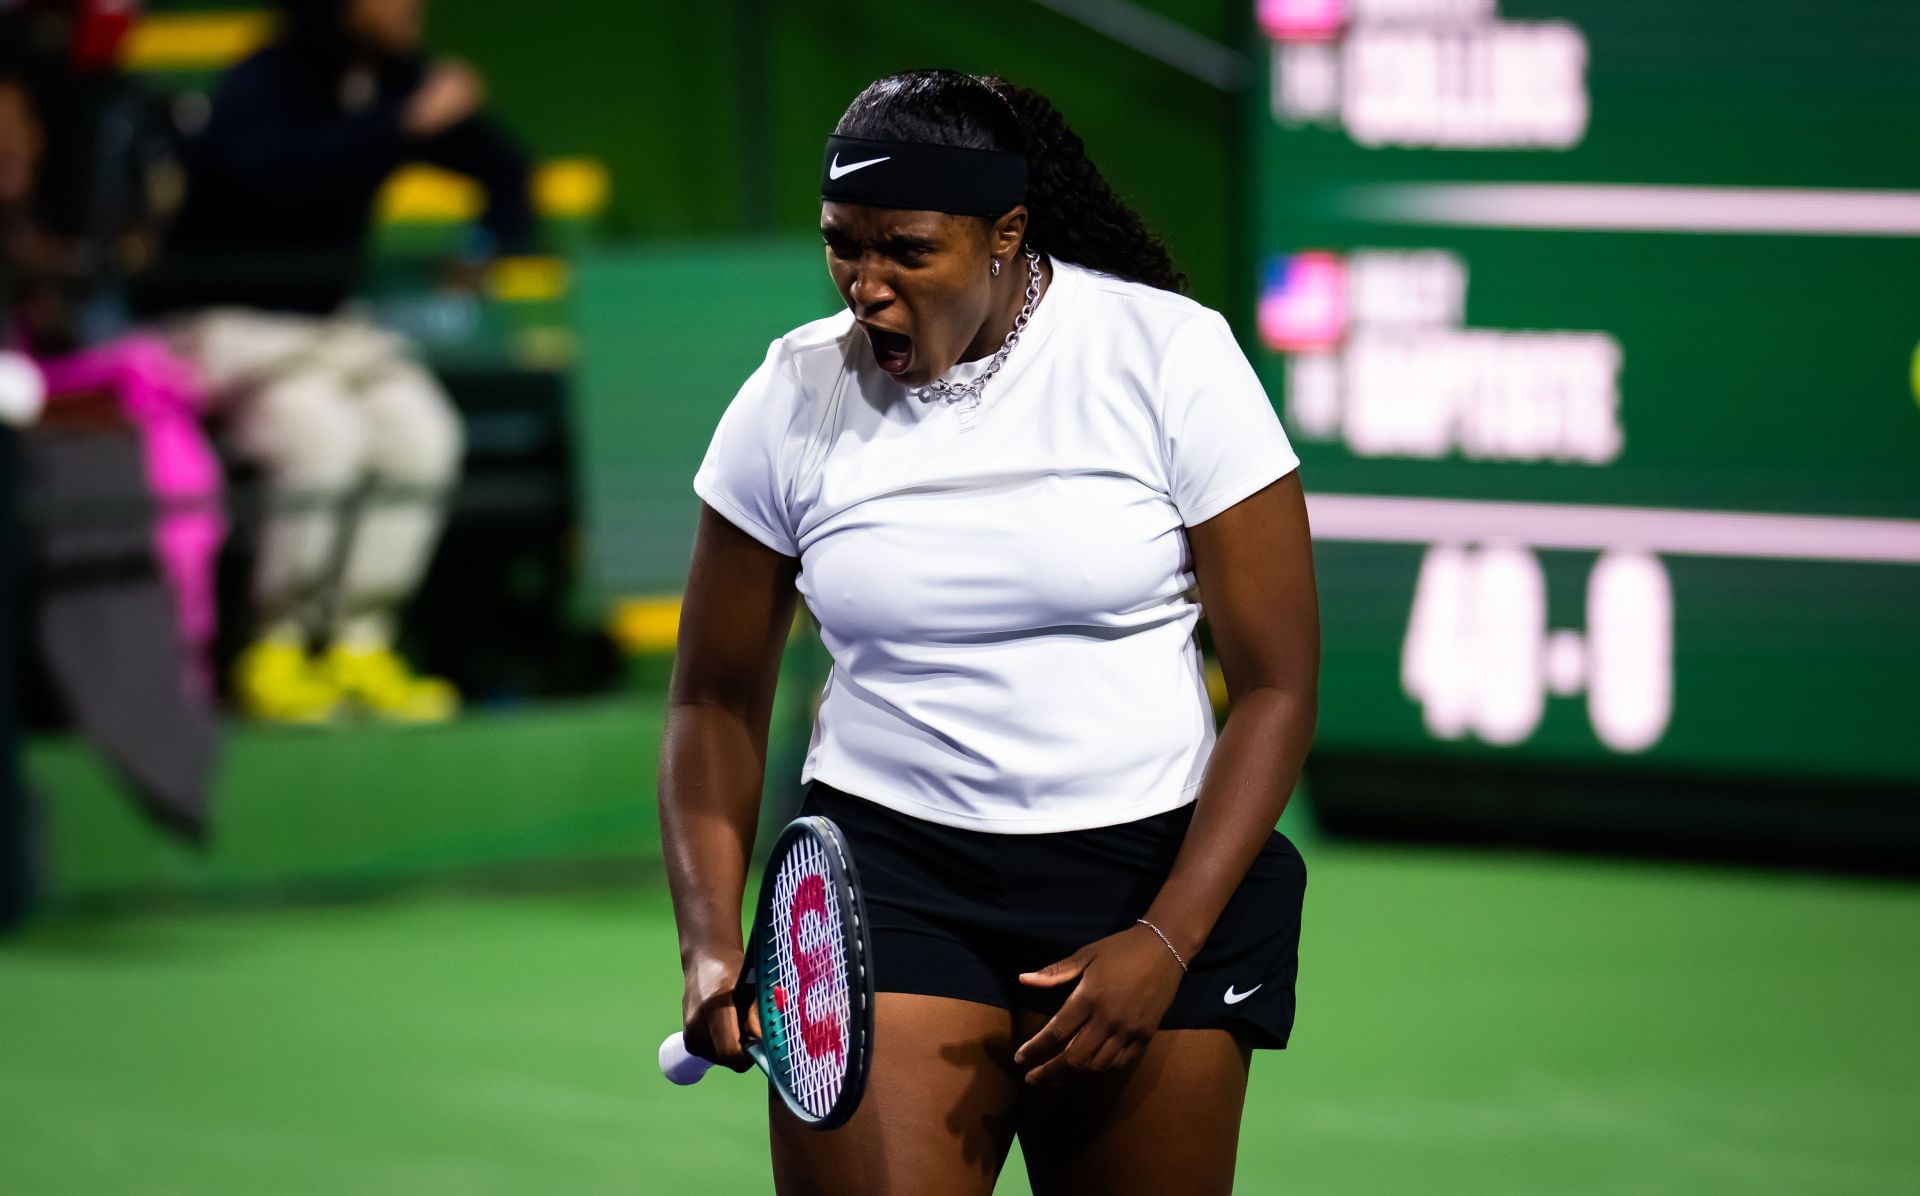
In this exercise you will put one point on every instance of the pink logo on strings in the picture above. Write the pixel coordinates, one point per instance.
(820, 1035)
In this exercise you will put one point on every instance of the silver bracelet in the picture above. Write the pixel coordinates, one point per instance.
(1163, 938)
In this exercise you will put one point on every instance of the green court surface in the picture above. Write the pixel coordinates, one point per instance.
(1468, 1023)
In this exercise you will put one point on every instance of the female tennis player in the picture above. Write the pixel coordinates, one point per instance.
(997, 478)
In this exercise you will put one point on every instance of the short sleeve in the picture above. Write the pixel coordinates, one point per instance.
(742, 475)
(1222, 438)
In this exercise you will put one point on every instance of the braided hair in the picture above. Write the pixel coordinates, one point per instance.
(1072, 213)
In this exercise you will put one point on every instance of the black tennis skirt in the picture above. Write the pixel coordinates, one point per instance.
(960, 913)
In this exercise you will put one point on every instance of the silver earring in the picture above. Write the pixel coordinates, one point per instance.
(996, 267)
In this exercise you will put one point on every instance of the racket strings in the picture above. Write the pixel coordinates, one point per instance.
(814, 1062)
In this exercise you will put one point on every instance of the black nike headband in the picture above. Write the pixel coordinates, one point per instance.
(914, 175)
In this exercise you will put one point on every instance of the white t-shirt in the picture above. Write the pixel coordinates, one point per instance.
(1006, 605)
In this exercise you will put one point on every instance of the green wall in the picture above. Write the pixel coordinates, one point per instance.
(673, 331)
(711, 116)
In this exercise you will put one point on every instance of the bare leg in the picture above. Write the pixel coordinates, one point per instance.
(937, 1117)
(1170, 1123)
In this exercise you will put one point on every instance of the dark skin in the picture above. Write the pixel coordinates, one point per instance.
(1101, 1099)
(927, 276)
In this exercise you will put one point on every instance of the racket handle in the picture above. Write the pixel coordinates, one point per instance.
(679, 1064)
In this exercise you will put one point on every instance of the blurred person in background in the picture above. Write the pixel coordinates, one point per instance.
(359, 443)
(76, 219)
(121, 471)
(22, 140)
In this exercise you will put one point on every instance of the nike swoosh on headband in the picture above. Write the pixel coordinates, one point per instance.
(836, 170)
(1234, 998)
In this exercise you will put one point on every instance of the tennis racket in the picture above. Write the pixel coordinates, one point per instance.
(807, 974)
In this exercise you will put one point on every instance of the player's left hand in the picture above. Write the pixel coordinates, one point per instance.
(1126, 982)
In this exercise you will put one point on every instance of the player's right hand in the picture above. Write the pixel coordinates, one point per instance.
(709, 1019)
(451, 92)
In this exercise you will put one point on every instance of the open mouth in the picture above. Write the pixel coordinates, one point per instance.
(892, 350)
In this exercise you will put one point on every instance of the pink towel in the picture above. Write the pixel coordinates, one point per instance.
(161, 394)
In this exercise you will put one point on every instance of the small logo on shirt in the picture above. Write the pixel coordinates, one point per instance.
(835, 170)
(1234, 998)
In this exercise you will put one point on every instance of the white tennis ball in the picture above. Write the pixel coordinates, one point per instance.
(23, 392)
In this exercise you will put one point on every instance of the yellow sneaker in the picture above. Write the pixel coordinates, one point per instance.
(378, 681)
(277, 683)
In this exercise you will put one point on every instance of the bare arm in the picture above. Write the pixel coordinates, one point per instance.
(734, 620)
(1254, 563)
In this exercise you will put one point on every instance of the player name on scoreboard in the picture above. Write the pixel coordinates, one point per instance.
(1378, 359)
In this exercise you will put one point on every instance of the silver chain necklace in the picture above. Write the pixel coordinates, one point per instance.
(968, 393)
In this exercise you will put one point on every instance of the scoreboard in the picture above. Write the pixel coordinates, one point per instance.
(1596, 324)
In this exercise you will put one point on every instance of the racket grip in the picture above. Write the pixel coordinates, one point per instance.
(679, 1064)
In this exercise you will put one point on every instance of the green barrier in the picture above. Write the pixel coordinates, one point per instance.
(564, 788)
(306, 812)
